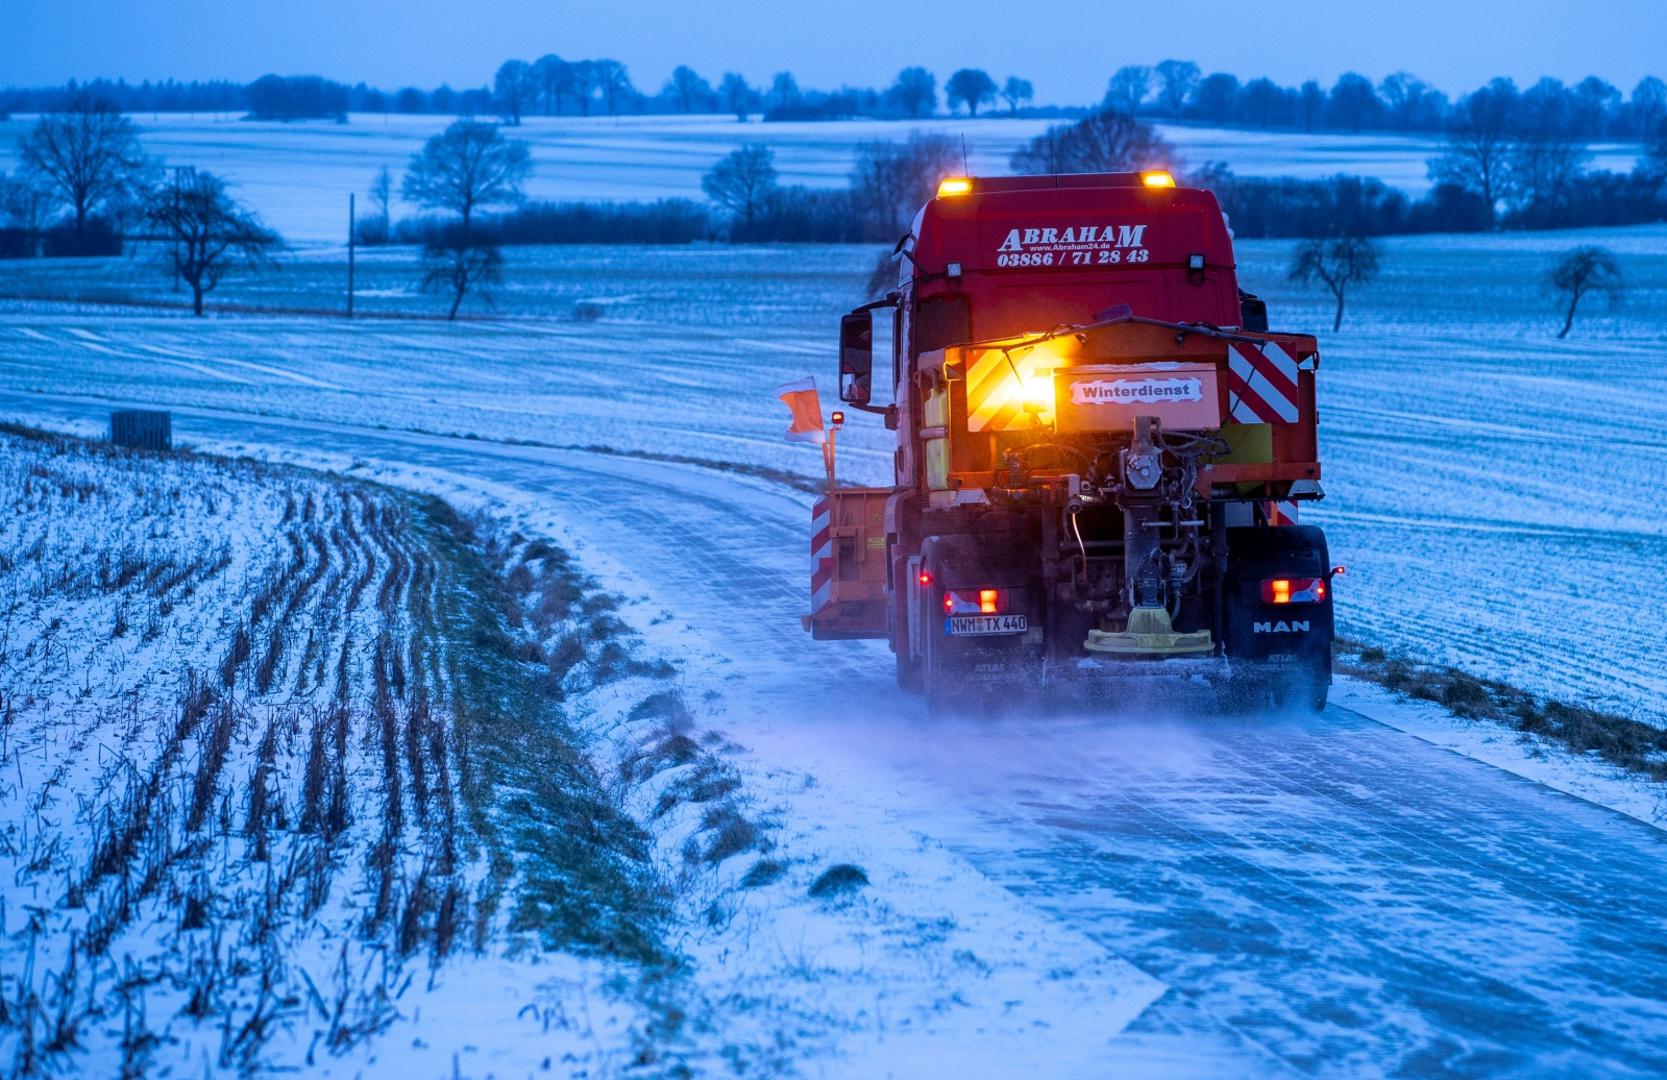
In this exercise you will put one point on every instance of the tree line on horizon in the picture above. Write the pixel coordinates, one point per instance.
(85, 187)
(1170, 90)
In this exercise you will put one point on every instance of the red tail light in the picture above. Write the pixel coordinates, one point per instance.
(1302, 590)
(975, 602)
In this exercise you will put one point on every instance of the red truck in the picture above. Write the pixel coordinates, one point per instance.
(1100, 455)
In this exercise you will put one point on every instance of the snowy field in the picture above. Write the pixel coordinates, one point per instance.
(1485, 479)
(295, 778)
(1380, 890)
(298, 176)
(244, 823)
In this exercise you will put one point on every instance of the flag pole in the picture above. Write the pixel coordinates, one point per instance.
(828, 457)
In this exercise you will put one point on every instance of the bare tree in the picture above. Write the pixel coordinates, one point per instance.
(1405, 94)
(742, 181)
(784, 90)
(377, 228)
(737, 96)
(514, 89)
(687, 88)
(1354, 103)
(1106, 141)
(24, 209)
(454, 265)
(1649, 105)
(469, 165)
(1128, 88)
(382, 194)
(609, 78)
(1478, 148)
(1337, 263)
(1542, 173)
(1656, 158)
(890, 181)
(915, 92)
(1015, 91)
(1583, 271)
(971, 87)
(1311, 103)
(210, 231)
(86, 156)
(1176, 81)
(552, 76)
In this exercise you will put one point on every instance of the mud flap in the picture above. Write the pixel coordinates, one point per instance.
(1278, 651)
(848, 565)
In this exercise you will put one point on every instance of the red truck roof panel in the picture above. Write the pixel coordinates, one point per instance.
(1077, 245)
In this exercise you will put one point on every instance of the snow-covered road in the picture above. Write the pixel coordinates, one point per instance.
(1325, 896)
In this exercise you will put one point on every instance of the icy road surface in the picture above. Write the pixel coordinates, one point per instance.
(1326, 896)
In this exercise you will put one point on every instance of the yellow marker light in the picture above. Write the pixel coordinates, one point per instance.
(1155, 178)
(954, 185)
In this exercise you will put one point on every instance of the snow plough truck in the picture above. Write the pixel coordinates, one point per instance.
(1101, 455)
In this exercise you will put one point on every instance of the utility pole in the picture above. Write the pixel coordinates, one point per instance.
(352, 228)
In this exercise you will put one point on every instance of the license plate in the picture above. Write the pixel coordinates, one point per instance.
(975, 625)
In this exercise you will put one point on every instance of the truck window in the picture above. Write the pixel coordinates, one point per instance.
(940, 322)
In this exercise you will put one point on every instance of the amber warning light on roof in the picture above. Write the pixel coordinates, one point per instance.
(954, 185)
(1154, 178)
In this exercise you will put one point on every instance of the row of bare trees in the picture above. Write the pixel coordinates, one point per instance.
(1400, 101)
(86, 163)
(551, 86)
(1527, 152)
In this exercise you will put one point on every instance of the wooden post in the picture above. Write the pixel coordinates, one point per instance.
(352, 228)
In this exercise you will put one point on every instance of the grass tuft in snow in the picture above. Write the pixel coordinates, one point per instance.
(764, 872)
(840, 879)
(1630, 744)
(271, 743)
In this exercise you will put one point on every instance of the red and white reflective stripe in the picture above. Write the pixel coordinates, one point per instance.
(1262, 384)
(821, 553)
(1280, 513)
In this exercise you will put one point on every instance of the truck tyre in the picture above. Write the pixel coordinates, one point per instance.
(943, 686)
(909, 677)
(940, 681)
(1303, 688)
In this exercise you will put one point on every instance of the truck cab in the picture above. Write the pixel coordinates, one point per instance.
(1100, 455)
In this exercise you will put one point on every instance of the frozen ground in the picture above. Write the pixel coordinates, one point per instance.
(1327, 896)
(1486, 480)
(258, 816)
(299, 175)
(241, 827)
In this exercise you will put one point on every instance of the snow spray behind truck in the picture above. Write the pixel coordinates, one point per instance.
(1101, 451)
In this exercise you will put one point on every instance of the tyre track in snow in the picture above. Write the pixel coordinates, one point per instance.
(1325, 896)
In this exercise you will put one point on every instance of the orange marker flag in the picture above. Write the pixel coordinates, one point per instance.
(803, 402)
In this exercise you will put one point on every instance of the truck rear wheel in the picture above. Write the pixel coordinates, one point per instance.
(942, 684)
(1302, 688)
(909, 677)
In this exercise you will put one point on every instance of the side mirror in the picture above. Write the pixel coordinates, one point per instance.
(856, 357)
